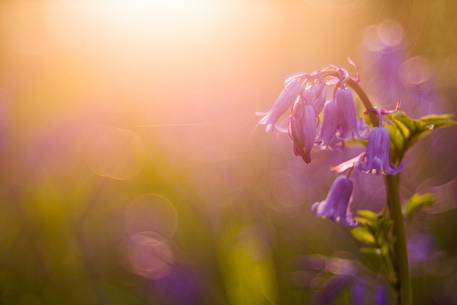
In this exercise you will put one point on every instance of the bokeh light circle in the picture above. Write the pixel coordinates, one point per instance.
(149, 255)
(151, 212)
(414, 71)
(113, 152)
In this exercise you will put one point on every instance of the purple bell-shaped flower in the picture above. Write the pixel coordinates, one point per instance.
(314, 94)
(292, 89)
(348, 121)
(303, 129)
(328, 131)
(376, 159)
(336, 205)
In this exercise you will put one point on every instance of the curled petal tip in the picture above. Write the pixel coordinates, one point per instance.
(269, 128)
(397, 105)
(346, 165)
(353, 64)
(286, 98)
(306, 158)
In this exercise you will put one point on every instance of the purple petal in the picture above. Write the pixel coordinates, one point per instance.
(329, 124)
(285, 99)
(347, 111)
(336, 205)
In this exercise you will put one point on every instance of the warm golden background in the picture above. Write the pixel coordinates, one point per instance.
(132, 169)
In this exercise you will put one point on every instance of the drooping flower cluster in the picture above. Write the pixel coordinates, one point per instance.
(305, 94)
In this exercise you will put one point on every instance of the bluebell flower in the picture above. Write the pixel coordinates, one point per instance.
(303, 129)
(329, 127)
(314, 94)
(292, 89)
(340, 120)
(348, 121)
(377, 156)
(336, 205)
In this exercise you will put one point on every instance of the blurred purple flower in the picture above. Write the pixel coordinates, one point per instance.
(336, 205)
(345, 274)
(377, 157)
(384, 50)
(292, 89)
(393, 75)
(358, 293)
(303, 129)
(420, 96)
(179, 287)
(332, 288)
(381, 295)
(420, 248)
(387, 62)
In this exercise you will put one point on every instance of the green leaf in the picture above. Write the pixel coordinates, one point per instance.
(417, 202)
(367, 214)
(438, 120)
(366, 218)
(365, 222)
(356, 143)
(372, 251)
(363, 235)
(405, 131)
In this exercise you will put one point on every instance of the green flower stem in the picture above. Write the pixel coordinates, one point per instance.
(401, 264)
(365, 100)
